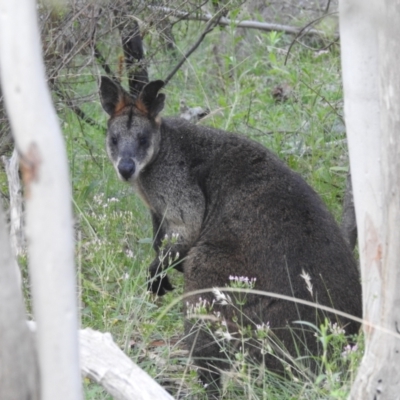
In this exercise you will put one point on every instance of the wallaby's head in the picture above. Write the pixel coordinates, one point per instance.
(133, 134)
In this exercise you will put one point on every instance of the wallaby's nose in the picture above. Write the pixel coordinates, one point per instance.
(126, 168)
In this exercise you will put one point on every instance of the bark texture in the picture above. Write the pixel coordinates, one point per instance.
(349, 223)
(17, 234)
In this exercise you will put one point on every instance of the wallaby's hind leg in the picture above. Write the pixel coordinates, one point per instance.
(208, 267)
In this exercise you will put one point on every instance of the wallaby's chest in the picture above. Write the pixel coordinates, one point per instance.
(161, 188)
(139, 190)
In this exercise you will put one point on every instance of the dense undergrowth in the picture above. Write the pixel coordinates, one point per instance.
(238, 76)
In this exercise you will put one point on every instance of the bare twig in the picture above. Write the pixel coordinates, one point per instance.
(327, 7)
(102, 61)
(184, 15)
(267, 133)
(212, 23)
(303, 31)
(77, 110)
(333, 108)
(82, 116)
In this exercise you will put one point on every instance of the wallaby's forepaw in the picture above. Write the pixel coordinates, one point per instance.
(158, 282)
(160, 285)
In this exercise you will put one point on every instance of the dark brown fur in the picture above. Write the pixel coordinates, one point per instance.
(238, 211)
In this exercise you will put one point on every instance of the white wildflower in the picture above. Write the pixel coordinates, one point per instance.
(336, 329)
(201, 307)
(263, 327)
(129, 253)
(222, 298)
(348, 350)
(307, 279)
(243, 281)
(224, 335)
(217, 314)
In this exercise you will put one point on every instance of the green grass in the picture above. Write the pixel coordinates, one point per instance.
(234, 77)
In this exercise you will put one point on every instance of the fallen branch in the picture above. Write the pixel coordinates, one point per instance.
(223, 21)
(103, 362)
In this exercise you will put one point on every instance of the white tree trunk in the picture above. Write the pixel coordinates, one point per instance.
(48, 199)
(370, 44)
(19, 375)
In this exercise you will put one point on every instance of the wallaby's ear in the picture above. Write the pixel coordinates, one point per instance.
(150, 102)
(112, 96)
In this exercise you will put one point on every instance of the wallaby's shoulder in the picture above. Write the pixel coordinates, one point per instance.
(199, 139)
(184, 129)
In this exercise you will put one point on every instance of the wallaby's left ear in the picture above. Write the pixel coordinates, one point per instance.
(150, 101)
(112, 96)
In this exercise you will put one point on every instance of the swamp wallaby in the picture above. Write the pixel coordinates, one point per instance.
(234, 209)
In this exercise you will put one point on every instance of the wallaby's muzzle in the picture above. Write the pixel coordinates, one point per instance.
(126, 168)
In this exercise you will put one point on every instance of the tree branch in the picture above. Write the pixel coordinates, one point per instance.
(264, 26)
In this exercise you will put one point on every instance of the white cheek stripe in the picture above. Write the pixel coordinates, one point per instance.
(138, 166)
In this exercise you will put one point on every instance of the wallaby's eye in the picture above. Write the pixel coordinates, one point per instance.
(114, 140)
(143, 140)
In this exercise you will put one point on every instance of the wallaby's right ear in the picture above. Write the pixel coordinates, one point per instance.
(112, 96)
(150, 102)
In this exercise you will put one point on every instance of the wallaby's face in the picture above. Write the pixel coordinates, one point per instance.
(133, 129)
(131, 143)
